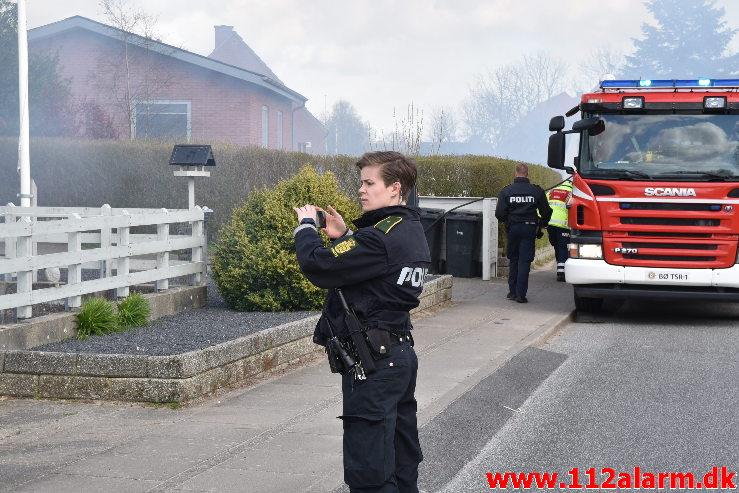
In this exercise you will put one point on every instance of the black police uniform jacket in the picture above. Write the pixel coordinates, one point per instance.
(518, 202)
(380, 269)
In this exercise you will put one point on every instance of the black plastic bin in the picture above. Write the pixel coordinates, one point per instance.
(433, 226)
(463, 237)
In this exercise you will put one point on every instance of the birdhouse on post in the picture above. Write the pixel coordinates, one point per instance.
(191, 159)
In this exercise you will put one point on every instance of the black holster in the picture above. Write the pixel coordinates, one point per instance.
(339, 355)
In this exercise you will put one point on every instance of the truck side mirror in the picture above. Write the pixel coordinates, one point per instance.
(587, 124)
(556, 154)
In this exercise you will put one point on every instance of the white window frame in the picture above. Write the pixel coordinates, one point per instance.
(279, 130)
(265, 126)
(163, 101)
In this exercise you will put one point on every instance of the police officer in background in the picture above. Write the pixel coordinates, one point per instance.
(517, 209)
(380, 270)
(558, 229)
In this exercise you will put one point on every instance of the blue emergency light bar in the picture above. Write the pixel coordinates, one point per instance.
(672, 84)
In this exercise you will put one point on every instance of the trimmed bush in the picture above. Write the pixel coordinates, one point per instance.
(97, 317)
(254, 263)
(133, 311)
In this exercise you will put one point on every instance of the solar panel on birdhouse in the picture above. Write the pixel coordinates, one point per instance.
(192, 155)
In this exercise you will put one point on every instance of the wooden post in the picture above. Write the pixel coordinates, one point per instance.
(25, 277)
(163, 257)
(106, 267)
(74, 271)
(10, 218)
(34, 243)
(198, 231)
(123, 262)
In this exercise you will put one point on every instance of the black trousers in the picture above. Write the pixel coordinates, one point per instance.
(381, 447)
(558, 238)
(521, 250)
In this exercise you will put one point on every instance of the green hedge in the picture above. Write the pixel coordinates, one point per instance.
(78, 173)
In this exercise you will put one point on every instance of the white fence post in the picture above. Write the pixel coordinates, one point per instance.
(10, 218)
(123, 262)
(197, 252)
(74, 271)
(106, 269)
(163, 257)
(25, 277)
(34, 243)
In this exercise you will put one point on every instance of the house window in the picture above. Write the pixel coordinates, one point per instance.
(163, 118)
(265, 126)
(279, 129)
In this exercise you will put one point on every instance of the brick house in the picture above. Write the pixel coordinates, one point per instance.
(144, 88)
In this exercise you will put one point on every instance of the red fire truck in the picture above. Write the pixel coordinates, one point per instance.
(656, 185)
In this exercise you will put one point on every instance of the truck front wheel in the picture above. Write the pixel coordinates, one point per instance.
(588, 304)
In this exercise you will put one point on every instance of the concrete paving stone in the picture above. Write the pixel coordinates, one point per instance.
(223, 480)
(316, 373)
(323, 424)
(18, 384)
(63, 483)
(251, 417)
(73, 387)
(18, 472)
(113, 365)
(198, 446)
(279, 454)
(145, 389)
(40, 362)
(133, 466)
(288, 396)
(59, 452)
(165, 367)
(2, 361)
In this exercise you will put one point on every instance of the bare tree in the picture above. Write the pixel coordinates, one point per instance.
(140, 72)
(600, 61)
(407, 132)
(498, 99)
(442, 128)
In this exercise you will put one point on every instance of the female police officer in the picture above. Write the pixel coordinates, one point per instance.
(380, 270)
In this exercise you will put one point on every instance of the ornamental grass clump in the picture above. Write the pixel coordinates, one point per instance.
(254, 263)
(133, 311)
(97, 317)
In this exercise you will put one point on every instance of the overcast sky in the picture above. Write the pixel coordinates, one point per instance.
(382, 55)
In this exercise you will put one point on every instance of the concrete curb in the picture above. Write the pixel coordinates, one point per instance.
(175, 378)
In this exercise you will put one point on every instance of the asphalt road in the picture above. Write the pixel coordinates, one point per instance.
(647, 384)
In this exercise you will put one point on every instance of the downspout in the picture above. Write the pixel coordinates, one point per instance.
(292, 124)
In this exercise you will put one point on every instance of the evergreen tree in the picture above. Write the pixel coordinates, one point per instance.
(49, 94)
(347, 133)
(690, 40)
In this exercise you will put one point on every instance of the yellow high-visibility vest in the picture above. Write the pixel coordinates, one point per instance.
(558, 198)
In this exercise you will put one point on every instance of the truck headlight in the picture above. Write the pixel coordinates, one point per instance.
(585, 250)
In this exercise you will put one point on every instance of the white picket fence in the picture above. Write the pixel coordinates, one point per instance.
(108, 231)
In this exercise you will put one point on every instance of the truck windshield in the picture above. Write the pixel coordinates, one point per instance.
(660, 147)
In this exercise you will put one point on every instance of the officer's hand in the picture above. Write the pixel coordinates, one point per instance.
(307, 211)
(335, 226)
(540, 234)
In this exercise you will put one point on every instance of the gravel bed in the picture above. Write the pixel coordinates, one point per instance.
(182, 332)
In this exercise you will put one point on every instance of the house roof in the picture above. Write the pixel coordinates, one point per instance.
(79, 22)
(230, 48)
